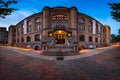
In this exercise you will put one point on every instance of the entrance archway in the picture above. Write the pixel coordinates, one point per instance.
(59, 36)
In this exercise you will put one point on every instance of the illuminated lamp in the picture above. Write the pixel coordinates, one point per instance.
(69, 34)
(50, 34)
(59, 31)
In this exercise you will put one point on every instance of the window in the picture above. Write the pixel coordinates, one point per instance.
(59, 20)
(22, 39)
(37, 24)
(81, 24)
(96, 39)
(18, 40)
(29, 26)
(22, 29)
(104, 41)
(90, 26)
(90, 38)
(97, 29)
(101, 41)
(18, 30)
(37, 37)
(59, 17)
(81, 38)
(28, 39)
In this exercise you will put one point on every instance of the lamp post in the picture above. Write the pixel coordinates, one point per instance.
(0, 43)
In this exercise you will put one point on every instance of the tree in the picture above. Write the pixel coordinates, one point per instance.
(115, 12)
(119, 31)
(5, 8)
(113, 38)
(118, 38)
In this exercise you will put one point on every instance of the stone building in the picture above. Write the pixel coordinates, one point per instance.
(3, 36)
(59, 28)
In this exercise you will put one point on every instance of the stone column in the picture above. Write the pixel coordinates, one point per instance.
(11, 36)
(46, 22)
(73, 23)
(107, 34)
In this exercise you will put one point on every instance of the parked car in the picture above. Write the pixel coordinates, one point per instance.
(91, 46)
(81, 47)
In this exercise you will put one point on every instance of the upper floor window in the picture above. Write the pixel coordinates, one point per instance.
(22, 29)
(81, 24)
(82, 38)
(97, 31)
(18, 30)
(90, 28)
(59, 20)
(59, 17)
(81, 20)
(29, 26)
(37, 24)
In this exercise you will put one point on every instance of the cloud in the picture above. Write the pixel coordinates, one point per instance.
(16, 17)
(114, 25)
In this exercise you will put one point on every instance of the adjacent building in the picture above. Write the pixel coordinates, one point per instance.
(59, 28)
(3, 36)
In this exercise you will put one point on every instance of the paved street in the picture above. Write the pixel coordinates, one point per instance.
(103, 66)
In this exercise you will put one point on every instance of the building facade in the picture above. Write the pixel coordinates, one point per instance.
(59, 27)
(3, 36)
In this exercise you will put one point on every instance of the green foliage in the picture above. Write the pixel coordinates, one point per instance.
(115, 38)
(119, 31)
(5, 9)
(115, 11)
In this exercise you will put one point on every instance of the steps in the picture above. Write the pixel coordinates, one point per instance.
(60, 49)
(64, 53)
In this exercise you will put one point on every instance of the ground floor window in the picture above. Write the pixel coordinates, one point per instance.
(37, 37)
(90, 38)
(96, 39)
(82, 38)
(28, 39)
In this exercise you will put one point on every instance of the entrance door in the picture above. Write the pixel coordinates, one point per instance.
(59, 36)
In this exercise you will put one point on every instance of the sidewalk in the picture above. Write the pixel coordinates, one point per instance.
(83, 53)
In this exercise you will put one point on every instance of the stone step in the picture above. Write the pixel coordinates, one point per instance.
(63, 53)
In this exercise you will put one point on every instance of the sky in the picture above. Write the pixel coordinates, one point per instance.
(97, 9)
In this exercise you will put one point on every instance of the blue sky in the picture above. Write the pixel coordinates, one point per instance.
(97, 9)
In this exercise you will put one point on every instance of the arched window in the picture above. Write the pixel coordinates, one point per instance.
(28, 39)
(37, 37)
(37, 24)
(82, 38)
(81, 24)
(29, 26)
(90, 26)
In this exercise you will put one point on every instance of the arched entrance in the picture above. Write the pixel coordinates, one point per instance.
(59, 36)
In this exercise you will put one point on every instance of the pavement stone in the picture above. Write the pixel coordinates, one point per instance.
(37, 53)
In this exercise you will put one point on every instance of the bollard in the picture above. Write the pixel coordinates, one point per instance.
(60, 55)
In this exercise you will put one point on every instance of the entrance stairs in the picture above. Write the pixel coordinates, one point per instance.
(62, 49)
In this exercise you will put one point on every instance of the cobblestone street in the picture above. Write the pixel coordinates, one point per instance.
(103, 66)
